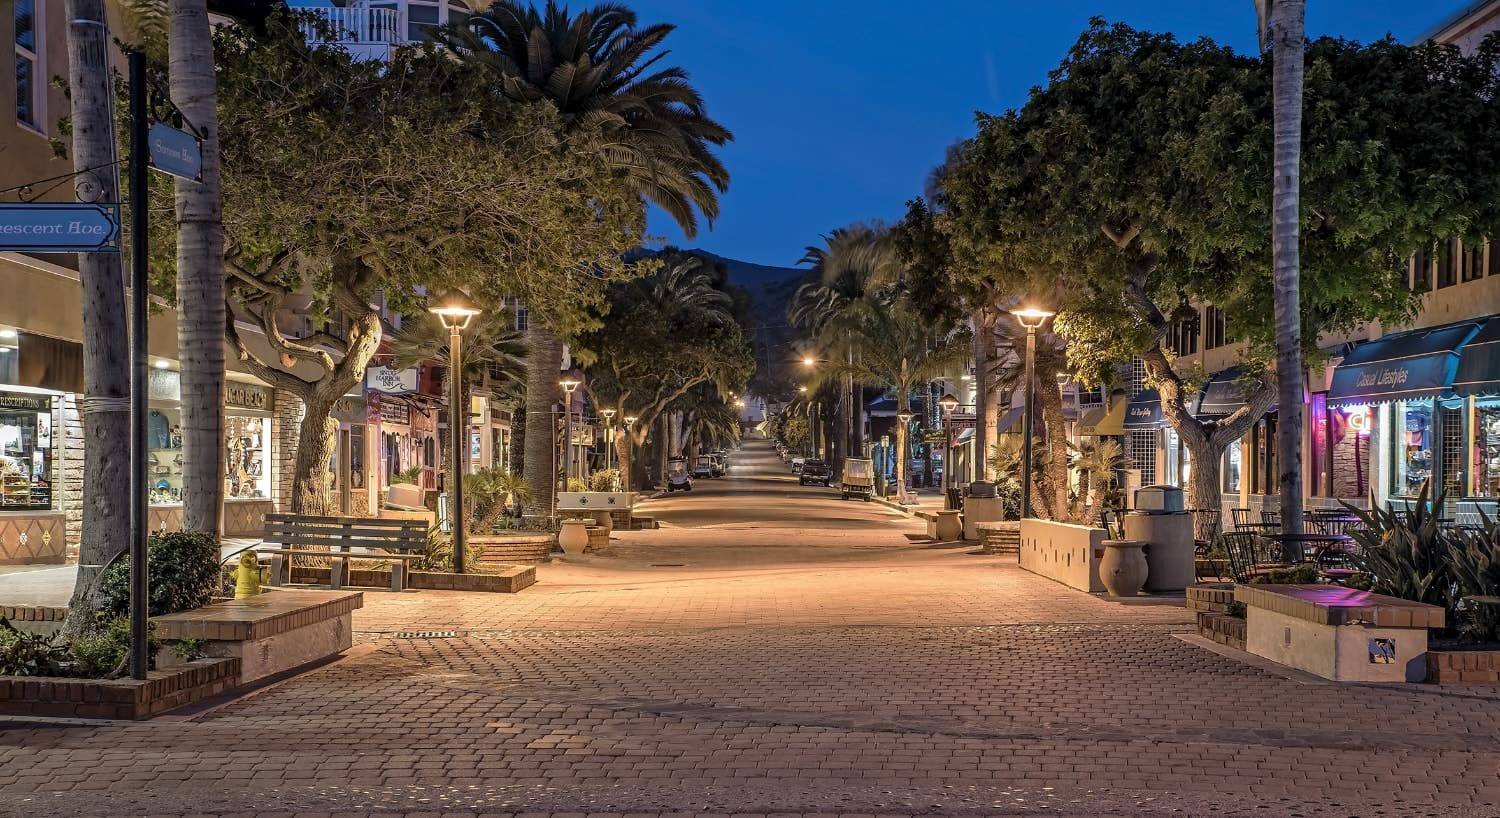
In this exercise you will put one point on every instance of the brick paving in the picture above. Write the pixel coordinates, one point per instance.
(814, 675)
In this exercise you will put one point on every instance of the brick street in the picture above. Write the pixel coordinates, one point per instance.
(780, 670)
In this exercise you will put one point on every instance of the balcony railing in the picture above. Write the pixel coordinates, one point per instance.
(355, 25)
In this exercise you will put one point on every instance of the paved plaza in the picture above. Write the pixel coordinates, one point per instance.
(774, 650)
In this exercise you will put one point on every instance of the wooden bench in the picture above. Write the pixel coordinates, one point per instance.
(397, 542)
(1339, 633)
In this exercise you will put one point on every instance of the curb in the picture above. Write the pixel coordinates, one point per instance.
(894, 506)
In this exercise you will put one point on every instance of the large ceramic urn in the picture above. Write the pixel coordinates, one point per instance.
(1123, 569)
(574, 535)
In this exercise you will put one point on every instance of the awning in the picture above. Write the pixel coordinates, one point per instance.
(1144, 411)
(1223, 395)
(1479, 362)
(1103, 422)
(1401, 366)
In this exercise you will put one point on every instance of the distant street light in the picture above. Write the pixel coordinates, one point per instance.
(947, 403)
(455, 310)
(568, 385)
(1032, 319)
(609, 439)
(629, 421)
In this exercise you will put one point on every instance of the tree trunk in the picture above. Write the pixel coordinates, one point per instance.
(904, 404)
(312, 487)
(543, 394)
(1288, 38)
(106, 342)
(200, 274)
(1055, 457)
(984, 399)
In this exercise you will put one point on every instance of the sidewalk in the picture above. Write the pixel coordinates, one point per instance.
(926, 500)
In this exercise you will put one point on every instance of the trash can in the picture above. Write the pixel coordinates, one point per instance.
(982, 506)
(1161, 521)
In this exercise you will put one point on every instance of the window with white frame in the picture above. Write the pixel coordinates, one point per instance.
(31, 85)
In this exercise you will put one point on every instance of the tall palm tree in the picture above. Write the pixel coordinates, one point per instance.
(898, 351)
(854, 266)
(200, 271)
(1286, 22)
(651, 126)
(106, 344)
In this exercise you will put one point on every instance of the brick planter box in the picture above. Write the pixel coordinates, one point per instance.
(508, 580)
(270, 633)
(514, 548)
(1463, 666)
(1222, 628)
(34, 619)
(1210, 597)
(162, 690)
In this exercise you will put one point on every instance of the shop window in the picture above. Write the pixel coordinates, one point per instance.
(1321, 454)
(248, 462)
(1142, 454)
(1265, 479)
(356, 457)
(1413, 441)
(25, 452)
(1447, 263)
(1452, 462)
(1486, 462)
(1173, 445)
(1233, 464)
(31, 78)
(164, 465)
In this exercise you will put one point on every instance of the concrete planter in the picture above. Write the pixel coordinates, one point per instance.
(132, 699)
(1063, 552)
(1123, 568)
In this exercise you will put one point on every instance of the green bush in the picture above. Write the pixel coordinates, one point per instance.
(438, 555)
(30, 654)
(184, 574)
(605, 480)
(1298, 575)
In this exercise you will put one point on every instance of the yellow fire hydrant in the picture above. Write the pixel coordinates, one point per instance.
(247, 577)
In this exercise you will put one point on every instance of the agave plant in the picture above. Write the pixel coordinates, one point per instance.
(1405, 557)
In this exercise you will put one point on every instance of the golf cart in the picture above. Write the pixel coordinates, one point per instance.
(858, 479)
(677, 476)
(703, 466)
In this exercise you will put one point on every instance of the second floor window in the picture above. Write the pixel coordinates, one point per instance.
(1182, 336)
(1421, 270)
(1447, 263)
(1215, 328)
(30, 83)
(1472, 267)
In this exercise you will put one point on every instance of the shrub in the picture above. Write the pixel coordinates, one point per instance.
(574, 484)
(184, 574)
(438, 555)
(30, 654)
(605, 480)
(1297, 575)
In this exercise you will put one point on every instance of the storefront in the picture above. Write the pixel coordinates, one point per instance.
(41, 444)
(1144, 421)
(351, 476)
(248, 455)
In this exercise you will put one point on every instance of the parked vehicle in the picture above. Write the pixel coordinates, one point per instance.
(815, 471)
(858, 479)
(720, 464)
(797, 464)
(704, 466)
(677, 476)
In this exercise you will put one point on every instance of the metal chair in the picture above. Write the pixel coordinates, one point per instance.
(1251, 554)
(1206, 523)
(1269, 517)
(1240, 517)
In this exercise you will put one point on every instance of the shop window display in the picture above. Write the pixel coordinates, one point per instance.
(1414, 445)
(1487, 448)
(25, 452)
(164, 465)
(248, 458)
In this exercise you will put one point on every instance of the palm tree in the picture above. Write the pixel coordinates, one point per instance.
(200, 271)
(106, 344)
(1286, 21)
(1009, 375)
(651, 126)
(854, 266)
(1096, 460)
(491, 347)
(898, 351)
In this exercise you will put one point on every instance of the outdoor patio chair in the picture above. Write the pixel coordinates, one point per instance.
(1269, 517)
(1240, 517)
(1250, 554)
(1206, 523)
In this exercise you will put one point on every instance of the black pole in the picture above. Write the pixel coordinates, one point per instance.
(139, 590)
(458, 433)
(1026, 459)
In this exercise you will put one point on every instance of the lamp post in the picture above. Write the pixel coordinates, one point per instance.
(629, 421)
(947, 403)
(1032, 319)
(609, 438)
(568, 385)
(455, 310)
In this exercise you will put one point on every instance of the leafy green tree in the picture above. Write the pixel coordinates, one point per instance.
(349, 183)
(647, 123)
(1137, 182)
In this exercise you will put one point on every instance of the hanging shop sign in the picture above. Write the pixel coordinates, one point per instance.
(391, 381)
(395, 412)
(55, 227)
(175, 152)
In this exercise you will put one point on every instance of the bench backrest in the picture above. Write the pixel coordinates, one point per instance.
(346, 532)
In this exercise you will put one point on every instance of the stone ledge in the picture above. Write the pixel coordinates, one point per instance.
(259, 617)
(129, 699)
(508, 580)
(1210, 597)
(1463, 666)
(33, 613)
(1334, 605)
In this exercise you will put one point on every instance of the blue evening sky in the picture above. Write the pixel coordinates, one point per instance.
(840, 108)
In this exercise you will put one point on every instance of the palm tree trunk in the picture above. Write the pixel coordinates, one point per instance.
(200, 274)
(106, 343)
(903, 407)
(984, 403)
(1288, 38)
(543, 363)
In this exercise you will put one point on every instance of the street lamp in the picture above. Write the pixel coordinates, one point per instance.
(609, 416)
(809, 361)
(629, 421)
(455, 310)
(568, 385)
(947, 403)
(1032, 319)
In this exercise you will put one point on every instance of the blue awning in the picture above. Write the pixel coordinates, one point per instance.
(1401, 366)
(1223, 395)
(1144, 411)
(1479, 363)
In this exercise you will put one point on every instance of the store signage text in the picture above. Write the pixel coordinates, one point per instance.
(390, 381)
(53, 227)
(27, 402)
(246, 396)
(1383, 378)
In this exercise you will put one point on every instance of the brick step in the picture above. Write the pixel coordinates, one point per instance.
(517, 553)
(641, 522)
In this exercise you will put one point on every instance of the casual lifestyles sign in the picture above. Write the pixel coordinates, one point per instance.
(51, 227)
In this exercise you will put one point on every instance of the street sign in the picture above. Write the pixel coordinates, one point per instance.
(176, 153)
(58, 227)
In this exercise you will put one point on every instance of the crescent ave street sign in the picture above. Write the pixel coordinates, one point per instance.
(60, 227)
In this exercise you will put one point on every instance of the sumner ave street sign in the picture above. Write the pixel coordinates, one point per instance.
(54, 227)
